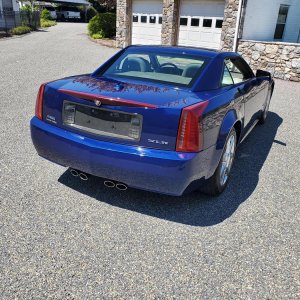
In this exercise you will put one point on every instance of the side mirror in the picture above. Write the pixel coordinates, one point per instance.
(261, 73)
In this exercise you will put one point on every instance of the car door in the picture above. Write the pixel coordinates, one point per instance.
(253, 90)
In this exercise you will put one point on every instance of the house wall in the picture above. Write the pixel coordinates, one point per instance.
(261, 18)
(281, 59)
(229, 24)
(123, 30)
(15, 5)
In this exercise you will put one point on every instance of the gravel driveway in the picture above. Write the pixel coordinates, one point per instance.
(61, 238)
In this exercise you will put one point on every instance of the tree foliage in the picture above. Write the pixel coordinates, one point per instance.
(104, 5)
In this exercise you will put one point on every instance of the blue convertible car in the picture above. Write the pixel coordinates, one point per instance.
(162, 119)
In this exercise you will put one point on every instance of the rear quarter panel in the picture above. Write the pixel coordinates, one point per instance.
(224, 109)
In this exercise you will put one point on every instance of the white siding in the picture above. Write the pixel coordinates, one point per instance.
(261, 18)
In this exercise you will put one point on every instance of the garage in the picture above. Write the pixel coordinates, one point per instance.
(146, 22)
(200, 23)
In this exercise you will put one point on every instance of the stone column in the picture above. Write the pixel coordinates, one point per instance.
(169, 30)
(124, 16)
(229, 24)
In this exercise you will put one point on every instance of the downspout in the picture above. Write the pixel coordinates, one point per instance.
(237, 26)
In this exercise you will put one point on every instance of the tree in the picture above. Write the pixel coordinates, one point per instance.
(104, 5)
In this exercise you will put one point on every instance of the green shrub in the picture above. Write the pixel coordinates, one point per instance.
(97, 36)
(47, 23)
(103, 24)
(45, 15)
(26, 8)
(90, 13)
(20, 30)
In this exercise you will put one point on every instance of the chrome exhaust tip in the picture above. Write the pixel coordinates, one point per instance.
(109, 184)
(74, 172)
(121, 186)
(83, 176)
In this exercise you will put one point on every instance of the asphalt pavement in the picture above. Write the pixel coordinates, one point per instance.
(61, 238)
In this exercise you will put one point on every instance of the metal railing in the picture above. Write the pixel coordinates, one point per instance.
(10, 19)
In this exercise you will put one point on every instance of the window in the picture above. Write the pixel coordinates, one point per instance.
(238, 69)
(207, 22)
(219, 23)
(226, 78)
(135, 18)
(172, 68)
(281, 21)
(144, 19)
(183, 21)
(160, 20)
(195, 22)
(152, 19)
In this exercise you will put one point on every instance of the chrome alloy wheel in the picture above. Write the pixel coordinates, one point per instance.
(227, 159)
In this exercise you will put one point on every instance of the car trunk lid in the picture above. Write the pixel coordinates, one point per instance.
(121, 112)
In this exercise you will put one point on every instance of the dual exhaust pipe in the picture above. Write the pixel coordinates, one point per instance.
(118, 185)
(79, 174)
(108, 183)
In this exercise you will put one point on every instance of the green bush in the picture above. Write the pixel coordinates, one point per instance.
(45, 15)
(103, 24)
(97, 36)
(47, 23)
(26, 8)
(90, 13)
(20, 30)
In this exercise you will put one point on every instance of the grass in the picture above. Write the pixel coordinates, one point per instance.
(47, 23)
(19, 30)
(96, 36)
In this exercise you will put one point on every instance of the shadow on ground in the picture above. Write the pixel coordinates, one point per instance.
(194, 209)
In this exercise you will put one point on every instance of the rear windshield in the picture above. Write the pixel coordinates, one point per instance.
(171, 68)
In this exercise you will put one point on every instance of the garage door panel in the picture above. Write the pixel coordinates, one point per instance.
(201, 23)
(146, 23)
(193, 36)
(147, 6)
(203, 8)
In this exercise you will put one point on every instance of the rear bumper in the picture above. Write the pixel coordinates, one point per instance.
(166, 172)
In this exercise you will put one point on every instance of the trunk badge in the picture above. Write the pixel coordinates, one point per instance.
(98, 102)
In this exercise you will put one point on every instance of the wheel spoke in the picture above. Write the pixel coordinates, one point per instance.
(227, 159)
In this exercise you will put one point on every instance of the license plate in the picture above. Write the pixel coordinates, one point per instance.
(102, 121)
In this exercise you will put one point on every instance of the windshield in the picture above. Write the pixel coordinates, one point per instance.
(171, 68)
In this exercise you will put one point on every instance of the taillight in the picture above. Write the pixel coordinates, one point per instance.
(39, 102)
(190, 137)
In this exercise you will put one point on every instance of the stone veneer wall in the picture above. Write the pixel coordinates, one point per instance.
(281, 59)
(170, 26)
(124, 15)
(229, 24)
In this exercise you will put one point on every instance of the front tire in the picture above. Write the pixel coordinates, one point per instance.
(218, 182)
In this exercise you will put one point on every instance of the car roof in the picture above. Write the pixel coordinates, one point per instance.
(187, 50)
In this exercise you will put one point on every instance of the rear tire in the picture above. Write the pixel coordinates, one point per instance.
(217, 183)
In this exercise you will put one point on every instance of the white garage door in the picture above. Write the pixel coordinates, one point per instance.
(201, 23)
(146, 22)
